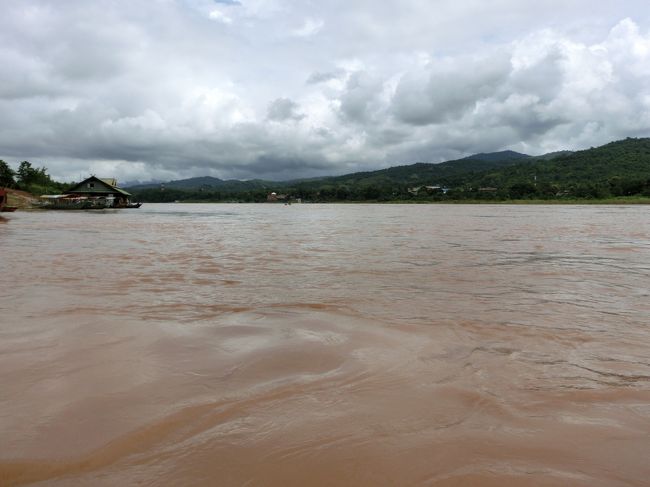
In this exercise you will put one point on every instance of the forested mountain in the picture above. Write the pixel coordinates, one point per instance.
(412, 173)
(506, 155)
(206, 182)
(421, 173)
(553, 155)
(617, 169)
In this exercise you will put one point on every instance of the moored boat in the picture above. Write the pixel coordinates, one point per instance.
(73, 202)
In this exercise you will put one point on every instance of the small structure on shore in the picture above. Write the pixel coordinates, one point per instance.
(91, 193)
(428, 189)
(275, 197)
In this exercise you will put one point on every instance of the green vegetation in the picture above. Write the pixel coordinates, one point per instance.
(28, 178)
(7, 175)
(613, 170)
(618, 172)
(607, 174)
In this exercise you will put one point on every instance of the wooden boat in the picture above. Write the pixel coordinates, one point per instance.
(9, 209)
(72, 202)
(76, 202)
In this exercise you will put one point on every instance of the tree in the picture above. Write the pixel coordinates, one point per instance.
(522, 190)
(6, 175)
(26, 174)
(35, 180)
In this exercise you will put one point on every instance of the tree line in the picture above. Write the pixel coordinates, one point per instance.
(28, 178)
(618, 169)
(517, 190)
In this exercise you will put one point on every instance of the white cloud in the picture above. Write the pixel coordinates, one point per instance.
(219, 16)
(309, 28)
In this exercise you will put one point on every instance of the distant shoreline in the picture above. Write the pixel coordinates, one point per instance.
(25, 201)
(572, 202)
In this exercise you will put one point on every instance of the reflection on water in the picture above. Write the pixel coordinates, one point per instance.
(326, 345)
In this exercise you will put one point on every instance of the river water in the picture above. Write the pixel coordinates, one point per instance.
(314, 345)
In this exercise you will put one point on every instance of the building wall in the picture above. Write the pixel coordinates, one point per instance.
(93, 188)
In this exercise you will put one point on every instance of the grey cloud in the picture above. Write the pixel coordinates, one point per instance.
(321, 77)
(278, 167)
(282, 109)
(360, 98)
(544, 78)
(448, 91)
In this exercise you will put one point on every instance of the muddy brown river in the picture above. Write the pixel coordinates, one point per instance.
(326, 345)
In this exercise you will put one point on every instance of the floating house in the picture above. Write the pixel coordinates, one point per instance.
(90, 193)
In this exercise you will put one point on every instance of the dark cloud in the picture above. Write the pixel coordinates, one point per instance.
(279, 167)
(283, 109)
(448, 90)
(321, 77)
(360, 100)
(542, 78)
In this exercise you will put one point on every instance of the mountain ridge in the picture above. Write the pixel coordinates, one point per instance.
(506, 155)
(619, 168)
(475, 161)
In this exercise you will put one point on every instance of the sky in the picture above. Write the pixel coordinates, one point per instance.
(281, 89)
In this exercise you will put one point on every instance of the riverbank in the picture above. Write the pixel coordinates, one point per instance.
(623, 200)
(21, 199)
(27, 201)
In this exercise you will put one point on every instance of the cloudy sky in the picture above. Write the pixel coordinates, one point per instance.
(277, 89)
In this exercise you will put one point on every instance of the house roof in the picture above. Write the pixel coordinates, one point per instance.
(107, 185)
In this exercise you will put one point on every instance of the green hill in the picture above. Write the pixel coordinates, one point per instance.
(620, 168)
(445, 173)
(506, 155)
(206, 182)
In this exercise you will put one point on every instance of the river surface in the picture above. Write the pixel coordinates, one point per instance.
(325, 345)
